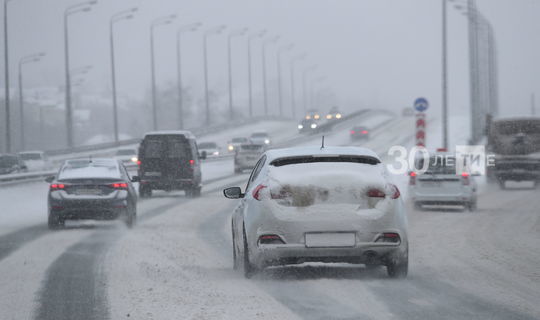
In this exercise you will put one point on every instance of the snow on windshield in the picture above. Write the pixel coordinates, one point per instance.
(76, 169)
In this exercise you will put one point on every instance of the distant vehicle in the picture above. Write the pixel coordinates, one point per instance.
(312, 114)
(308, 125)
(516, 145)
(97, 189)
(169, 160)
(359, 133)
(128, 156)
(246, 156)
(35, 160)
(441, 184)
(235, 143)
(334, 114)
(407, 112)
(260, 138)
(211, 149)
(288, 213)
(11, 163)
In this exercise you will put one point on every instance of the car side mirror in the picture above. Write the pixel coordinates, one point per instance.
(49, 179)
(203, 155)
(135, 179)
(233, 193)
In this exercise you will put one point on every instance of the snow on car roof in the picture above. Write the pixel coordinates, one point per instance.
(185, 133)
(89, 168)
(314, 151)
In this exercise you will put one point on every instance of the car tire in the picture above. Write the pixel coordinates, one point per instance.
(145, 192)
(472, 206)
(54, 222)
(502, 184)
(130, 218)
(235, 254)
(398, 269)
(248, 269)
(237, 170)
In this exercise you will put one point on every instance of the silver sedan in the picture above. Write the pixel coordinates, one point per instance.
(332, 204)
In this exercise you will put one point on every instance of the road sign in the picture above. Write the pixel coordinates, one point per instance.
(421, 104)
(421, 129)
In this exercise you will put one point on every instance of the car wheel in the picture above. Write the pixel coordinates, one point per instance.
(196, 192)
(502, 184)
(472, 206)
(55, 222)
(130, 217)
(235, 255)
(248, 268)
(237, 170)
(398, 269)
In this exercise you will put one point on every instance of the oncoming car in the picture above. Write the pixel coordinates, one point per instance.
(35, 160)
(440, 184)
(319, 205)
(260, 138)
(128, 156)
(211, 148)
(235, 143)
(97, 189)
(246, 156)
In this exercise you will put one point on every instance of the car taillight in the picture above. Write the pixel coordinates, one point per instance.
(364, 131)
(389, 237)
(139, 162)
(412, 179)
(270, 239)
(378, 193)
(191, 162)
(353, 132)
(119, 185)
(57, 186)
(465, 179)
(257, 191)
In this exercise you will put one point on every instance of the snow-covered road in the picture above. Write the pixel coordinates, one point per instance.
(177, 264)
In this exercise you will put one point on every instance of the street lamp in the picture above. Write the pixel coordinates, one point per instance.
(77, 8)
(233, 34)
(211, 31)
(6, 75)
(122, 15)
(293, 94)
(304, 84)
(24, 60)
(250, 82)
(157, 22)
(280, 89)
(186, 28)
(265, 87)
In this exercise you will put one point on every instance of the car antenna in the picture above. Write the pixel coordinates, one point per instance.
(322, 145)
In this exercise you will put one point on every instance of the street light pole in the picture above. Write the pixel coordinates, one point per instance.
(265, 87)
(229, 62)
(208, 32)
(280, 89)
(6, 79)
(444, 77)
(122, 15)
(81, 7)
(157, 22)
(250, 81)
(186, 28)
(24, 60)
(293, 93)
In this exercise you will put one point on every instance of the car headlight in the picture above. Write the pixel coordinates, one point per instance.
(308, 117)
(313, 125)
(300, 126)
(316, 117)
(134, 159)
(328, 116)
(230, 147)
(266, 141)
(215, 153)
(338, 116)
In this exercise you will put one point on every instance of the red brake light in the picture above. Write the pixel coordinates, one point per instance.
(353, 132)
(364, 131)
(442, 150)
(119, 185)
(376, 193)
(56, 186)
(139, 162)
(191, 162)
(412, 180)
(465, 178)
(257, 190)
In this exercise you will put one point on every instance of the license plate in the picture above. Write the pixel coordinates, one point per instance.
(92, 192)
(152, 174)
(330, 239)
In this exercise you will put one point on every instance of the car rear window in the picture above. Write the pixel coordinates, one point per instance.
(171, 147)
(314, 159)
(439, 165)
(251, 147)
(518, 126)
(76, 169)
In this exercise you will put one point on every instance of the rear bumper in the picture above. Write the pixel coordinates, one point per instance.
(169, 184)
(370, 253)
(88, 209)
(517, 175)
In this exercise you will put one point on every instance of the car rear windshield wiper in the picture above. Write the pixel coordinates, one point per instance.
(312, 159)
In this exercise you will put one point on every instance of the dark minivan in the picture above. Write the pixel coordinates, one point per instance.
(169, 160)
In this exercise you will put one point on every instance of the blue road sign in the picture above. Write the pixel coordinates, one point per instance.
(421, 104)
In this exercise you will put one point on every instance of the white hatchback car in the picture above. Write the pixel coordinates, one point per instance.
(441, 184)
(309, 204)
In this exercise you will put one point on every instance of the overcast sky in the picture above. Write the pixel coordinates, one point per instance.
(374, 53)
